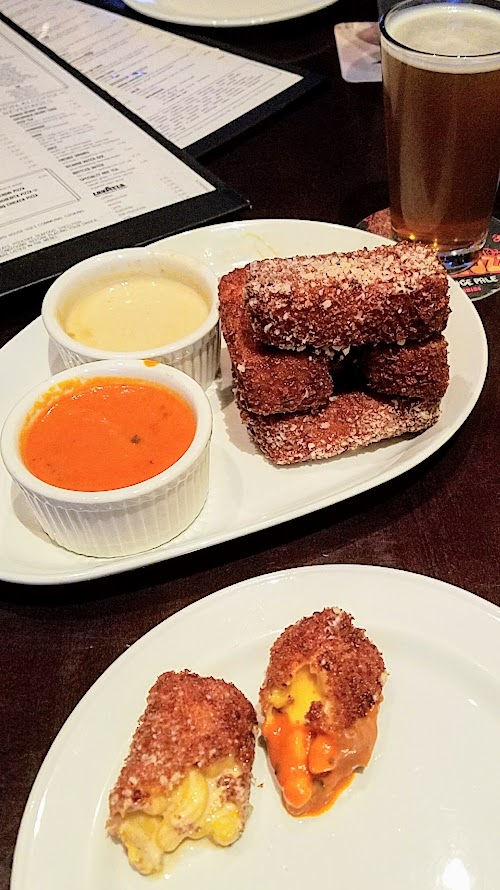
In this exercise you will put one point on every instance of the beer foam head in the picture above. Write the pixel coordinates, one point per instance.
(450, 37)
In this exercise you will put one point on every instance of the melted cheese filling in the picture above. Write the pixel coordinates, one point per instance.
(196, 808)
(311, 768)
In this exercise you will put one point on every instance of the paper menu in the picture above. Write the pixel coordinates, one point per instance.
(184, 89)
(73, 165)
(100, 167)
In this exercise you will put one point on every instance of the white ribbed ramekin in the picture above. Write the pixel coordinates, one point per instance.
(197, 354)
(125, 520)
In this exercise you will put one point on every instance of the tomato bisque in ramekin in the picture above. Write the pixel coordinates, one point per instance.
(113, 457)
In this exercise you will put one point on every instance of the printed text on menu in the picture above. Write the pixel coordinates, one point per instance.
(184, 89)
(71, 163)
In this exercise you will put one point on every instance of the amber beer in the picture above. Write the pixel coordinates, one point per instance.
(441, 76)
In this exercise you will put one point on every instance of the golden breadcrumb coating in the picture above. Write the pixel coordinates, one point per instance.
(350, 666)
(413, 370)
(340, 300)
(190, 721)
(350, 420)
(269, 381)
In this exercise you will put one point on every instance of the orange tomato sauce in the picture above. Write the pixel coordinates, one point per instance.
(105, 433)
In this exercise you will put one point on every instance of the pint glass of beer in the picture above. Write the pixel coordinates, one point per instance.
(441, 79)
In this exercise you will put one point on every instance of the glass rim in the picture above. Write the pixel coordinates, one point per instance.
(408, 4)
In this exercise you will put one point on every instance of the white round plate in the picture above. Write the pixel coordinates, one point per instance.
(247, 493)
(226, 13)
(424, 814)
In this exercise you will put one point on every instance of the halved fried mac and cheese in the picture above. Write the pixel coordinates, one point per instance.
(320, 701)
(188, 771)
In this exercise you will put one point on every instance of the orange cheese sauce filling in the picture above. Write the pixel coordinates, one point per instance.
(313, 768)
(312, 771)
(288, 746)
(105, 433)
(299, 759)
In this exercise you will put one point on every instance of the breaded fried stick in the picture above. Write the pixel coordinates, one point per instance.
(341, 300)
(187, 774)
(320, 702)
(268, 381)
(349, 421)
(414, 370)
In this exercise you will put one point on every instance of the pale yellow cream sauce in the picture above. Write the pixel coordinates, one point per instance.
(136, 313)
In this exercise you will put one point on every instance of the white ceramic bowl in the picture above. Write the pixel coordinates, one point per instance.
(197, 354)
(125, 520)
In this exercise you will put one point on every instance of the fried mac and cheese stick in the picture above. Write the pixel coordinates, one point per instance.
(268, 381)
(320, 702)
(339, 300)
(187, 774)
(350, 420)
(414, 370)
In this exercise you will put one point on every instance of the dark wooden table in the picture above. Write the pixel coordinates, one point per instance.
(323, 158)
